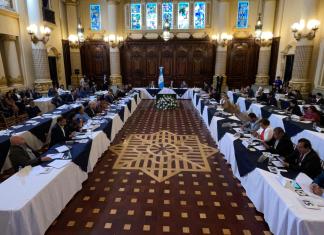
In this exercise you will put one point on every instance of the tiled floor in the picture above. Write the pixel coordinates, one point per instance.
(116, 200)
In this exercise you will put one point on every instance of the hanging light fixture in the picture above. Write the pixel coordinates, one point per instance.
(258, 27)
(80, 31)
(166, 35)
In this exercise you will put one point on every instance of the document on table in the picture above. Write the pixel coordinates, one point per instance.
(62, 148)
(56, 155)
(234, 118)
(59, 163)
(18, 126)
(260, 147)
(37, 170)
(278, 163)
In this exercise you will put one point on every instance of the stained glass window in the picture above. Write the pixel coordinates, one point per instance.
(95, 18)
(199, 15)
(242, 14)
(167, 13)
(183, 15)
(136, 16)
(151, 15)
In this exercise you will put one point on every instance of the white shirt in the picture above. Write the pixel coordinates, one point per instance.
(268, 133)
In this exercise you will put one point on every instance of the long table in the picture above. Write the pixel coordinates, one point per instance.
(278, 118)
(280, 206)
(181, 93)
(30, 202)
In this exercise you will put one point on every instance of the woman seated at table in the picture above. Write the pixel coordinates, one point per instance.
(265, 133)
(91, 109)
(311, 114)
(317, 186)
(82, 115)
(271, 99)
(294, 109)
(227, 105)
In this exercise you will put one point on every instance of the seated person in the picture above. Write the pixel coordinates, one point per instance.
(319, 99)
(21, 155)
(227, 105)
(304, 159)
(33, 110)
(265, 133)
(295, 94)
(74, 124)
(109, 97)
(271, 100)
(311, 114)
(249, 92)
(213, 94)
(294, 109)
(59, 133)
(184, 84)
(57, 100)
(277, 83)
(171, 84)
(151, 85)
(317, 186)
(206, 87)
(10, 103)
(102, 105)
(252, 125)
(82, 115)
(51, 92)
(280, 144)
(91, 109)
(261, 96)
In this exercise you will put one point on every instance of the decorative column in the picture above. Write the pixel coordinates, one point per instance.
(39, 51)
(114, 57)
(72, 20)
(262, 77)
(221, 21)
(303, 58)
(11, 61)
(3, 80)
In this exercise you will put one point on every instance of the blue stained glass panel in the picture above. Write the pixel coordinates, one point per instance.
(151, 16)
(242, 14)
(95, 17)
(200, 15)
(136, 16)
(183, 15)
(167, 13)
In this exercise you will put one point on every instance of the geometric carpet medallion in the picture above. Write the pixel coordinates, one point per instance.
(163, 154)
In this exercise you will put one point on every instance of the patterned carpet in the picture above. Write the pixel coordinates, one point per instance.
(179, 184)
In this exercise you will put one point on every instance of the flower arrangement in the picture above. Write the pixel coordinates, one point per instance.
(166, 102)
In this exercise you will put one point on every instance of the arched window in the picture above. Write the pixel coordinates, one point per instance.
(199, 15)
(151, 15)
(136, 16)
(167, 13)
(183, 15)
(95, 17)
(242, 14)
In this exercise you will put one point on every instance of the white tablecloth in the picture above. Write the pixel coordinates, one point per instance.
(282, 211)
(145, 95)
(29, 203)
(45, 104)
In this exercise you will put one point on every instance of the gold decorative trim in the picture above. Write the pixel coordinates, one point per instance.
(163, 154)
(9, 13)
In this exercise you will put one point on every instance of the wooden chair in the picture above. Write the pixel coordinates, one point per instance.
(6, 122)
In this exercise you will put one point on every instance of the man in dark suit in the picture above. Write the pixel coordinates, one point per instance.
(281, 143)
(91, 109)
(109, 97)
(57, 100)
(319, 99)
(305, 159)
(33, 110)
(317, 186)
(59, 132)
(21, 155)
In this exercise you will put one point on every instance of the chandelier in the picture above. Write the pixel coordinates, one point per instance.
(166, 35)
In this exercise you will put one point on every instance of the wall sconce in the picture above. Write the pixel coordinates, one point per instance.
(265, 39)
(74, 42)
(44, 31)
(223, 39)
(258, 27)
(166, 35)
(214, 37)
(114, 40)
(299, 31)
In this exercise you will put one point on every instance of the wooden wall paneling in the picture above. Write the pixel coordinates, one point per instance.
(166, 61)
(67, 61)
(274, 59)
(181, 64)
(242, 61)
